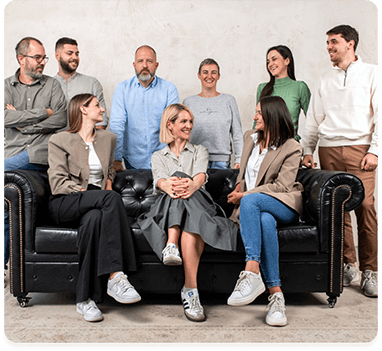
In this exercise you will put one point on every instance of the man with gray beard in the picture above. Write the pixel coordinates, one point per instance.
(136, 112)
(34, 109)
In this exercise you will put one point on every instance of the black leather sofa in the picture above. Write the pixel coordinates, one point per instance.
(43, 257)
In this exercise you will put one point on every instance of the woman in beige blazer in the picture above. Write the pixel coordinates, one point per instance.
(267, 193)
(80, 176)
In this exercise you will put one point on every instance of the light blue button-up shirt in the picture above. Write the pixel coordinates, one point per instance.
(135, 118)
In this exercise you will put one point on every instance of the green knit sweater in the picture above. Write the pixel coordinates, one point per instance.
(296, 95)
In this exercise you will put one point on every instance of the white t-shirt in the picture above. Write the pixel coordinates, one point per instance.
(95, 167)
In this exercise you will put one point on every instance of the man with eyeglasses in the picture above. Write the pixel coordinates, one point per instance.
(72, 82)
(34, 109)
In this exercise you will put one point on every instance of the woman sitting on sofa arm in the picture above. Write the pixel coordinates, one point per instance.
(184, 212)
(80, 177)
(267, 193)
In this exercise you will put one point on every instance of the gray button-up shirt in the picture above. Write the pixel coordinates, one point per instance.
(193, 159)
(81, 84)
(29, 128)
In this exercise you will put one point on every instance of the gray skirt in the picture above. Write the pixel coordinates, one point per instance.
(197, 215)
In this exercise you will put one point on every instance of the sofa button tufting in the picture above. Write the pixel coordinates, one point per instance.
(318, 277)
(34, 276)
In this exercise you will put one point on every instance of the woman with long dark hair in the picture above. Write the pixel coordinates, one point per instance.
(266, 194)
(283, 83)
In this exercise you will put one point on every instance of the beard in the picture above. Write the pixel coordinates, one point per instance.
(32, 72)
(144, 77)
(65, 66)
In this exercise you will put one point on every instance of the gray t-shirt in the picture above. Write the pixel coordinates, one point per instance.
(215, 121)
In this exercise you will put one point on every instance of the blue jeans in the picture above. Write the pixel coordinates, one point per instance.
(20, 161)
(218, 164)
(259, 214)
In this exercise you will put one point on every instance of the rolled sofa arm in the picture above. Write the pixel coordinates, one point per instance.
(26, 195)
(327, 195)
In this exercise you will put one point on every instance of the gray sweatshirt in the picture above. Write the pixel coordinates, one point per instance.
(215, 121)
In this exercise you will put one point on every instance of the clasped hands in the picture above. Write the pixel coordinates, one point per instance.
(177, 187)
(235, 196)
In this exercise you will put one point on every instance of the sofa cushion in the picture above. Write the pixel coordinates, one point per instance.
(55, 240)
(292, 239)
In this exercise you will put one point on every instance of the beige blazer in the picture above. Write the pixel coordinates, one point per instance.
(68, 157)
(277, 174)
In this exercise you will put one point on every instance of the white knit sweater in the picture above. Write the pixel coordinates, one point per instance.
(343, 109)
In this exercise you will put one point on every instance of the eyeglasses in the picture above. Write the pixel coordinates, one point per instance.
(38, 59)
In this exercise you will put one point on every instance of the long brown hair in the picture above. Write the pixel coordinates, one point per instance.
(278, 123)
(285, 52)
(74, 112)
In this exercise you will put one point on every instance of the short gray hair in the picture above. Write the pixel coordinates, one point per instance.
(208, 61)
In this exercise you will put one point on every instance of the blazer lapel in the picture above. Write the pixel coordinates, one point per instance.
(268, 159)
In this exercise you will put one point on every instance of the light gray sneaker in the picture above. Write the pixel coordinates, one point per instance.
(171, 255)
(90, 311)
(248, 287)
(276, 314)
(350, 274)
(121, 290)
(369, 283)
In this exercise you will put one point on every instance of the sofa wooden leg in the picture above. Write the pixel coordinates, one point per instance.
(332, 300)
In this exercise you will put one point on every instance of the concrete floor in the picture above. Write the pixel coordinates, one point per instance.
(52, 318)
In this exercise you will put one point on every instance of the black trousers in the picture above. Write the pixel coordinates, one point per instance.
(104, 240)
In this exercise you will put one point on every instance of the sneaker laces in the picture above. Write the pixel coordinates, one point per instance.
(90, 304)
(195, 303)
(369, 277)
(242, 282)
(276, 303)
(123, 282)
(170, 249)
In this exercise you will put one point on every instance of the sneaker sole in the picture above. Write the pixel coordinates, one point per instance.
(248, 299)
(195, 319)
(276, 322)
(129, 301)
(192, 318)
(91, 319)
(172, 261)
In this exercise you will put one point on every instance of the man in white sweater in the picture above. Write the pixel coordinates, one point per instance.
(342, 116)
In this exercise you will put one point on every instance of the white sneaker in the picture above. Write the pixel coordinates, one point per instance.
(90, 311)
(350, 274)
(121, 290)
(192, 307)
(171, 255)
(276, 314)
(248, 287)
(369, 283)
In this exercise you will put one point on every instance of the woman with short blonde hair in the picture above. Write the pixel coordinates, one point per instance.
(184, 211)
(170, 114)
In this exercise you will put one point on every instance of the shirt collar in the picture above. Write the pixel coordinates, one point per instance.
(15, 79)
(351, 65)
(254, 137)
(57, 76)
(190, 147)
(152, 84)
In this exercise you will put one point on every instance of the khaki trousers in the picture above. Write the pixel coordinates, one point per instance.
(348, 159)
